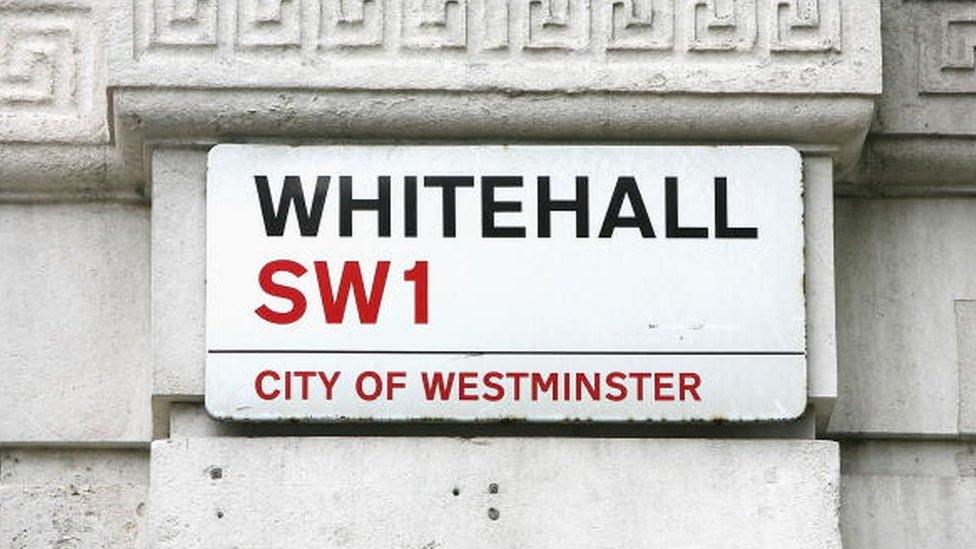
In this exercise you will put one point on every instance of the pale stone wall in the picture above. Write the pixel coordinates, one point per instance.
(107, 110)
(73, 497)
(901, 493)
(905, 272)
(75, 323)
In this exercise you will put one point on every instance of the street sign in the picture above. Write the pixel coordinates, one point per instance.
(542, 283)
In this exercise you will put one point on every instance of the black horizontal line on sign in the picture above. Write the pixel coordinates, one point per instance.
(559, 353)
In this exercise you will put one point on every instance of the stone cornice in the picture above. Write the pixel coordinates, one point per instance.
(144, 117)
(123, 76)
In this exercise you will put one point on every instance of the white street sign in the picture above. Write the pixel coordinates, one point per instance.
(488, 282)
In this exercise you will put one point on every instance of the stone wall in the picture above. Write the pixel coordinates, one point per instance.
(107, 110)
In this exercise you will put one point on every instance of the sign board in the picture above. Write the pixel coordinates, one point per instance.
(542, 283)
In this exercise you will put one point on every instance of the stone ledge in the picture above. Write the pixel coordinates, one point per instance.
(145, 118)
(915, 165)
(33, 172)
(363, 492)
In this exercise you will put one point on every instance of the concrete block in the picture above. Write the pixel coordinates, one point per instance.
(911, 495)
(73, 498)
(901, 265)
(539, 492)
(178, 271)
(74, 282)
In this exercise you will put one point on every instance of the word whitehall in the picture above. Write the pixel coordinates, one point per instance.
(498, 196)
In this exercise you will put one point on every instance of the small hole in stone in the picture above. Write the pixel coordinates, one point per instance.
(456, 491)
(216, 473)
(493, 488)
(220, 514)
(493, 513)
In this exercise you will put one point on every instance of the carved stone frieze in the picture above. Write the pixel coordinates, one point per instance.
(51, 73)
(269, 23)
(709, 46)
(124, 75)
(722, 25)
(806, 25)
(350, 24)
(640, 24)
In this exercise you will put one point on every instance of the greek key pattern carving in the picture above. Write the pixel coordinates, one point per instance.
(46, 60)
(947, 51)
(722, 25)
(557, 24)
(269, 23)
(640, 24)
(594, 26)
(805, 25)
(435, 23)
(183, 23)
(959, 45)
(350, 24)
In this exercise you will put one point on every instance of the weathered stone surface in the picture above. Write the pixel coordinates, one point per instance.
(74, 284)
(911, 495)
(901, 265)
(178, 271)
(73, 498)
(356, 492)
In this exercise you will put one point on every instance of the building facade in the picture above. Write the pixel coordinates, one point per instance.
(108, 110)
